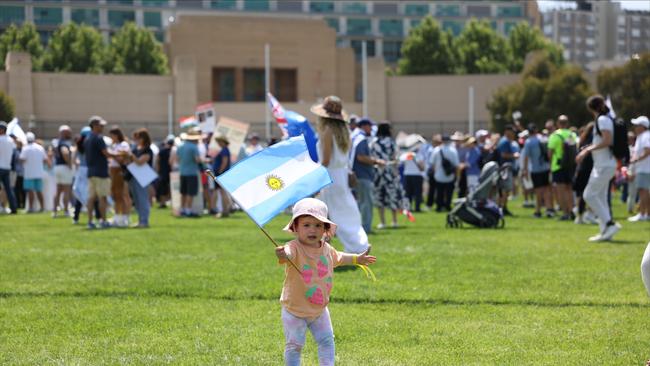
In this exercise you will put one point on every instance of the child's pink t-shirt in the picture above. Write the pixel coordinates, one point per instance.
(308, 294)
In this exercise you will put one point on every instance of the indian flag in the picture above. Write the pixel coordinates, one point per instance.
(267, 182)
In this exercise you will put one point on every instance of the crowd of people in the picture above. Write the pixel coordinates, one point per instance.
(561, 171)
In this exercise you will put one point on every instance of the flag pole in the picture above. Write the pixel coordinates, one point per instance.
(210, 173)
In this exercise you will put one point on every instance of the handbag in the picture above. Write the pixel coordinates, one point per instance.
(352, 179)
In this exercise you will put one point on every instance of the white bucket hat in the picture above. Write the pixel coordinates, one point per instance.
(314, 208)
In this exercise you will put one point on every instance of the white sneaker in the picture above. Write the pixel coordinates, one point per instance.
(637, 217)
(380, 226)
(597, 237)
(610, 231)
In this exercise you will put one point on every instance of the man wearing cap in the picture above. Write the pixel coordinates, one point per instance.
(63, 170)
(536, 162)
(99, 183)
(641, 166)
(562, 176)
(189, 158)
(364, 168)
(7, 147)
(33, 156)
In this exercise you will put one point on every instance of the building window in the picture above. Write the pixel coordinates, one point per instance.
(12, 14)
(454, 26)
(510, 11)
(155, 3)
(152, 19)
(392, 51)
(285, 85)
(224, 4)
(621, 20)
(293, 6)
(478, 11)
(391, 27)
(415, 22)
(636, 33)
(48, 16)
(256, 5)
(119, 2)
(507, 27)
(416, 9)
(117, 18)
(359, 27)
(443, 10)
(223, 84)
(357, 47)
(355, 7)
(333, 22)
(385, 8)
(321, 6)
(85, 16)
(254, 85)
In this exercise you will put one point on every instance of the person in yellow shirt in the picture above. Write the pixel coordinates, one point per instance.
(306, 293)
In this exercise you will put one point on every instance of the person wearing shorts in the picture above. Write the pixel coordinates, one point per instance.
(189, 159)
(539, 171)
(63, 170)
(641, 162)
(562, 177)
(33, 156)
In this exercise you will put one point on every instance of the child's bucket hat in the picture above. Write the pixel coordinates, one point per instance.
(314, 208)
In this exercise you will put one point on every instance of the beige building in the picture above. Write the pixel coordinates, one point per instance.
(221, 59)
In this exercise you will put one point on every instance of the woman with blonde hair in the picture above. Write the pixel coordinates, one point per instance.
(117, 167)
(333, 148)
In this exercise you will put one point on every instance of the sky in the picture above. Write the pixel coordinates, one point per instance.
(625, 4)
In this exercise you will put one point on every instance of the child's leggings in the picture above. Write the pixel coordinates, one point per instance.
(295, 330)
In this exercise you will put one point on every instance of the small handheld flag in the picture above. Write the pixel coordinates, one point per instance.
(267, 182)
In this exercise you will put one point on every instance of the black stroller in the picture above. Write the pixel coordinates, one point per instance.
(478, 208)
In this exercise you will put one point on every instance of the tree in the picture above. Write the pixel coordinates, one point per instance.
(628, 86)
(75, 48)
(524, 39)
(427, 50)
(25, 39)
(135, 50)
(544, 91)
(481, 50)
(6, 107)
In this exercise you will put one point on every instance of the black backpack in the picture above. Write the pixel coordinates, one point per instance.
(543, 151)
(447, 166)
(570, 151)
(619, 144)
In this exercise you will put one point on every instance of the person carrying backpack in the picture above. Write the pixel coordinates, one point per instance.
(601, 150)
(562, 150)
(444, 161)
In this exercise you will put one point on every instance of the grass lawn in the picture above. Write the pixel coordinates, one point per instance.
(205, 291)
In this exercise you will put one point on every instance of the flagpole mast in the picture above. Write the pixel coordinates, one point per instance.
(267, 86)
(210, 173)
(364, 73)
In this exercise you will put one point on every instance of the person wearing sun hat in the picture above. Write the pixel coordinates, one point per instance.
(641, 166)
(189, 158)
(220, 165)
(306, 293)
(333, 149)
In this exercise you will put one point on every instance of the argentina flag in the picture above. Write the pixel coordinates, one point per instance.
(267, 182)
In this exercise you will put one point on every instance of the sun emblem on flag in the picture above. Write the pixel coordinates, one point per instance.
(274, 182)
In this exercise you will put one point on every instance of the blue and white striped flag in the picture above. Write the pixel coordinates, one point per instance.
(267, 182)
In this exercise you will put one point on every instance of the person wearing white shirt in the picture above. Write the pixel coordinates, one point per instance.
(7, 147)
(445, 162)
(33, 157)
(595, 194)
(414, 177)
(641, 163)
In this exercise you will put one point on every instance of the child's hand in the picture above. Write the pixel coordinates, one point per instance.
(365, 258)
(280, 253)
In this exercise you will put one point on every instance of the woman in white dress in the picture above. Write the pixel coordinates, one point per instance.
(333, 148)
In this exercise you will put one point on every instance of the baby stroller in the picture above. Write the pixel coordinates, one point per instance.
(478, 208)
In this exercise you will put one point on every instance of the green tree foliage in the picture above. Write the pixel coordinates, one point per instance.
(25, 39)
(75, 48)
(481, 50)
(524, 39)
(135, 50)
(6, 107)
(628, 86)
(544, 91)
(427, 50)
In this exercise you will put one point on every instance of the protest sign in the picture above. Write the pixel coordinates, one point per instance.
(235, 131)
(205, 115)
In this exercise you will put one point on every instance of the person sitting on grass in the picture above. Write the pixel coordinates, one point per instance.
(305, 294)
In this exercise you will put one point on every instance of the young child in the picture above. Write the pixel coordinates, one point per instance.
(305, 295)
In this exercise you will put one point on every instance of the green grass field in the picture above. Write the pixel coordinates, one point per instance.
(205, 291)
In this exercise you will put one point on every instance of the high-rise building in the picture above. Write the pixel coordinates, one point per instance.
(382, 24)
(598, 31)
